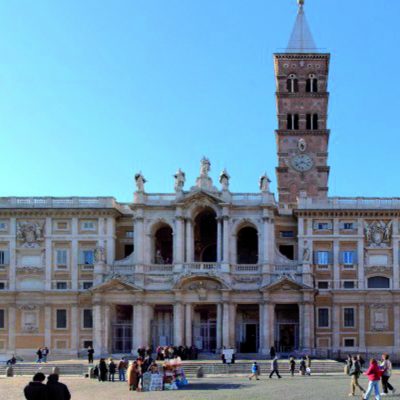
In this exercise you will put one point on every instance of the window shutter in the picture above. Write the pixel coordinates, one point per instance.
(330, 257)
(341, 257)
(329, 225)
(6, 257)
(81, 258)
(315, 257)
(315, 225)
(341, 226)
(355, 257)
(355, 225)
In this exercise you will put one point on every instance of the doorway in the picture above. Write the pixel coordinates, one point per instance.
(286, 327)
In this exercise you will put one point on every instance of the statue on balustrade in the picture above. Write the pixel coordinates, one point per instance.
(140, 181)
(224, 180)
(180, 179)
(306, 253)
(264, 183)
(205, 167)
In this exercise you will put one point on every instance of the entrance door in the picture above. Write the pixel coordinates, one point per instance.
(287, 337)
(121, 338)
(205, 335)
(251, 339)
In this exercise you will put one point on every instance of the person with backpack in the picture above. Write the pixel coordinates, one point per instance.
(355, 372)
(255, 371)
(122, 369)
(374, 374)
(112, 368)
(386, 367)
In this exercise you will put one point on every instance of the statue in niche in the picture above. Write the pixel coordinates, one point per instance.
(140, 181)
(205, 167)
(180, 179)
(159, 257)
(306, 253)
(30, 233)
(264, 183)
(224, 180)
(99, 254)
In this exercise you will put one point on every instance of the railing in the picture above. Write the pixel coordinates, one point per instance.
(371, 203)
(161, 268)
(199, 266)
(245, 268)
(86, 267)
(123, 269)
(160, 198)
(286, 268)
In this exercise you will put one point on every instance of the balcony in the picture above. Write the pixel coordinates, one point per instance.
(127, 269)
(287, 268)
(202, 267)
(86, 267)
(245, 269)
(159, 269)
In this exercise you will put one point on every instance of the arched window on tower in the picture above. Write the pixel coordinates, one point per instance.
(312, 121)
(292, 84)
(293, 122)
(312, 84)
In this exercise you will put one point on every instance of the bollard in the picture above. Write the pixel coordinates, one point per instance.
(55, 370)
(9, 372)
(200, 372)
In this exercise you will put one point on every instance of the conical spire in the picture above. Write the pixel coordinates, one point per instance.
(301, 40)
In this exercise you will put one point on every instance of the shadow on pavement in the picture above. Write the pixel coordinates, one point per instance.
(211, 386)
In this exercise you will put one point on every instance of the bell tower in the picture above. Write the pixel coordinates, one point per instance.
(302, 136)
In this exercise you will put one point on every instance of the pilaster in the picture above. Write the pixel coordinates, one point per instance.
(13, 255)
(74, 254)
(11, 327)
(49, 255)
(188, 324)
(178, 324)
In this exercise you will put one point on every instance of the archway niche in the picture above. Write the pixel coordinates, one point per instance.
(163, 245)
(205, 236)
(247, 245)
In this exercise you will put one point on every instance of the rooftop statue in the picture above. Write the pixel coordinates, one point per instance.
(264, 183)
(205, 167)
(224, 179)
(140, 181)
(180, 179)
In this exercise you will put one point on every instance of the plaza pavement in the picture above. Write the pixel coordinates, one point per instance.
(318, 387)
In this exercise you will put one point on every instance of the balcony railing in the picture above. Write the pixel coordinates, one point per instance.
(199, 266)
(343, 203)
(123, 269)
(86, 267)
(159, 268)
(287, 268)
(245, 269)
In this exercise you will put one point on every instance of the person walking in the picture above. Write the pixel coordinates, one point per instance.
(112, 368)
(57, 390)
(374, 376)
(39, 355)
(355, 372)
(36, 390)
(349, 363)
(102, 370)
(121, 369)
(90, 352)
(132, 373)
(292, 365)
(386, 366)
(255, 372)
(303, 367)
(275, 368)
(45, 353)
(308, 365)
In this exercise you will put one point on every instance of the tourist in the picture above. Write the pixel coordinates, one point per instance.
(56, 390)
(12, 360)
(355, 372)
(45, 353)
(90, 352)
(102, 370)
(274, 368)
(374, 376)
(303, 367)
(112, 368)
(272, 352)
(386, 367)
(39, 355)
(133, 378)
(292, 365)
(349, 363)
(140, 372)
(308, 365)
(121, 369)
(255, 372)
(146, 363)
(153, 368)
(36, 390)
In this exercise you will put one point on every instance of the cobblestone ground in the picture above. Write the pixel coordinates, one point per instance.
(232, 388)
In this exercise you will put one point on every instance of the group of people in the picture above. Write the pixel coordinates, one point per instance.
(42, 354)
(376, 372)
(170, 352)
(52, 390)
(106, 370)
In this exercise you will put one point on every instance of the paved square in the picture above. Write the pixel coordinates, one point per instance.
(232, 388)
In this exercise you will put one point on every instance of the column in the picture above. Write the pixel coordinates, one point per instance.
(74, 329)
(336, 266)
(300, 224)
(219, 326)
(361, 327)
(13, 258)
(11, 327)
(261, 345)
(139, 236)
(336, 327)
(360, 255)
(137, 326)
(179, 241)
(269, 318)
(106, 324)
(47, 326)
(110, 253)
(219, 240)
(97, 329)
(395, 257)
(266, 257)
(396, 312)
(306, 325)
(189, 240)
(49, 255)
(147, 317)
(302, 343)
(225, 249)
(74, 254)
(178, 324)
(188, 324)
(225, 325)
(232, 329)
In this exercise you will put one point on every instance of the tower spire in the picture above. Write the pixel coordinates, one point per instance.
(301, 40)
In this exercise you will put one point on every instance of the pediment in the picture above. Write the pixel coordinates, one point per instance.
(202, 196)
(283, 284)
(201, 281)
(116, 285)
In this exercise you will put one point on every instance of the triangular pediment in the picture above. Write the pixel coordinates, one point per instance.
(201, 196)
(284, 283)
(116, 285)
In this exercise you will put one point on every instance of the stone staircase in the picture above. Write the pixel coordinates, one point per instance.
(210, 367)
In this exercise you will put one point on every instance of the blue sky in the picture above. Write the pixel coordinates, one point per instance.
(93, 91)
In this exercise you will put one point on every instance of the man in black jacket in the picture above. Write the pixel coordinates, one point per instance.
(36, 390)
(56, 390)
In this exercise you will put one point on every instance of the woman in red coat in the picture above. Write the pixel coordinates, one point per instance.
(374, 374)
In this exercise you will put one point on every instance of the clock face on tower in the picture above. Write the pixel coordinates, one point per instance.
(302, 162)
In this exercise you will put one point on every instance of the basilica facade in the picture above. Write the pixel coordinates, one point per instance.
(203, 266)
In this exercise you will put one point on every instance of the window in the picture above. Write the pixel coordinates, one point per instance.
(348, 317)
(348, 257)
(312, 84)
(61, 286)
(4, 257)
(61, 319)
(2, 285)
(3, 226)
(323, 226)
(129, 234)
(323, 317)
(87, 319)
(312, 121)
(293, 121)
(378, 282)
(62, 225)
(86, 257)
(348, 226)
(87, 285)
(348, 285)
(61, 258)
(87, 343)
(88, 226)
(322, 257)
(292, 84)
(2, 319)
(348, 342)
(287, 234)
(323, 285)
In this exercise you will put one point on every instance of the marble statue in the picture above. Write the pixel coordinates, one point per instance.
(205, 167)
(264, 183)
(224, 180)
(140, 181)
(99, 254)
(180, 179)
